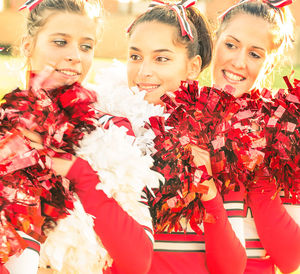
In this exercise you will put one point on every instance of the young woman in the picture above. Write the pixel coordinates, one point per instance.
(179, 49)
(252, 37)
(60, 41)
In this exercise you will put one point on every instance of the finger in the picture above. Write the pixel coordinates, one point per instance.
(31, 135)
(43, 77)
(199, 150)
(36, 145)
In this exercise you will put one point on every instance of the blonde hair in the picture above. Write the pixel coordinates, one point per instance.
(37, 18)
(281, 21)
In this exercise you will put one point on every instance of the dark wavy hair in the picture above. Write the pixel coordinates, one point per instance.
(202, 42)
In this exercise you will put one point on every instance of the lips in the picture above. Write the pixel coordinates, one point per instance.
(147, 87)
(68, 72)
(233, 77)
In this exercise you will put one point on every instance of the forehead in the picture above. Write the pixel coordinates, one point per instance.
(70, 23)
(249, 29)
(155, 35)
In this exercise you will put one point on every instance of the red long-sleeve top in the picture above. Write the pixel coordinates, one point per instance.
(277, 230)
(224, 251)
(125, 240)
(271, 234)
(184, 253)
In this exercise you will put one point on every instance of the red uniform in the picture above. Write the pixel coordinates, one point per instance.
(128, 242)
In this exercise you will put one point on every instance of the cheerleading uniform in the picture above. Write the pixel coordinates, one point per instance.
(278, 232)
(179, 252)
(124, 239)
(27, 262)
(129, 243)
(265, 227)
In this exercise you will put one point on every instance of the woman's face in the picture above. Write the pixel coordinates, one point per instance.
(65, 44)
(241, 53)
(156, 63)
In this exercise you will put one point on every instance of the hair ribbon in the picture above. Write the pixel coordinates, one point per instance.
(276, 4)
(180, 10)
(30, 4)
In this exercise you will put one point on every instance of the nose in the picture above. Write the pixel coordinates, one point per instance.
(240, 59)
(145, 69)
(73, 54)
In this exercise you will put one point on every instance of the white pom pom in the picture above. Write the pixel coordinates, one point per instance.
(73, 246)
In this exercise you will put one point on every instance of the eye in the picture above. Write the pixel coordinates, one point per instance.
(135, 57)
(60, 42)
(86, 47)
(254, 55)
(162, 59)
(230, 45)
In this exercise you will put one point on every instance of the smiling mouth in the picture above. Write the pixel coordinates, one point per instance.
(68, 72)
(148, 87)
(232, 77)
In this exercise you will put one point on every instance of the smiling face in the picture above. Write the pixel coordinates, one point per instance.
(241, 53)
(65, 43)
(155, 63)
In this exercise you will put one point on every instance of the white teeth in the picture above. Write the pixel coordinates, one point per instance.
(67, 72)
(148, 87)
(233, 77)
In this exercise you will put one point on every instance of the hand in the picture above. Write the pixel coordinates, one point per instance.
(48, 79)
(59, 165)
(202, 158)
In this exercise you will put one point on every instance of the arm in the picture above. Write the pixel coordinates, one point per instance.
(3, 269)
(224, 251)
(278, 232)
(125, 239)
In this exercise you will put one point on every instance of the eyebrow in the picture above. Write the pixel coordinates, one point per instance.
(234, 38)
(157, 50)
(67, 35)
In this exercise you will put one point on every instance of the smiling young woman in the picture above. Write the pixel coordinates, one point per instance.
(59, 46)
(67, 49)
(161, 55)
(241, 52)
(159, 64)
(252, 38)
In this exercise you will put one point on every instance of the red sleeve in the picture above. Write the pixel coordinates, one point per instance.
(125, 239)
(3, 270)
(278, 232)
(224, 251)
(118, 121)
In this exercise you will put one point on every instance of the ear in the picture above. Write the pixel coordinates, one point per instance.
(194, 67)
(27, 45)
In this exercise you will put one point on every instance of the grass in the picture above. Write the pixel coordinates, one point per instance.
(11, 74)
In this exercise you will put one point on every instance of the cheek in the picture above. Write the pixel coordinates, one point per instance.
(87, 61)
(39, 59)
(215, 64)
(219, 57)
(131, 72)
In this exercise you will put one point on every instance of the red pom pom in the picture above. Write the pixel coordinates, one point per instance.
(27, 183)
(244, 136)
